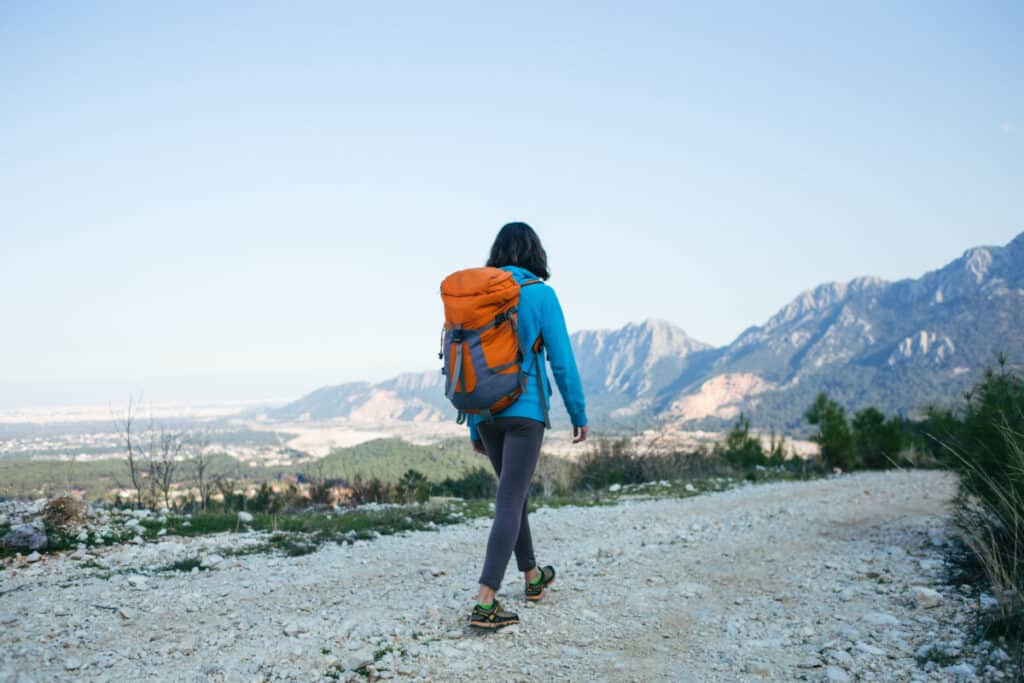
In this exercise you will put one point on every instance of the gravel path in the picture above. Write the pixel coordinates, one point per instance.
(827, 580)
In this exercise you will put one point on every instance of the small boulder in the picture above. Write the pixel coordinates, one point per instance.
(836, 675)
(841, 657)
(961, 672)
(24, 537)
(881, 619)
(245, 517)
(359, 659)
(211, 561)
(869, 649)
(759, 669)
(926, 597)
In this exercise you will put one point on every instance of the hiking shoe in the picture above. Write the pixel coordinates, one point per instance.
(496, 617)
(535, 591)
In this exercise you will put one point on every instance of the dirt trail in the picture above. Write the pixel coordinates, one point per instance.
(787, 581)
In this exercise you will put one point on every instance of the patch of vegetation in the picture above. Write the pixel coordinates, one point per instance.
(941, 656)
(389, 459)
(984, 443)
(185, 566)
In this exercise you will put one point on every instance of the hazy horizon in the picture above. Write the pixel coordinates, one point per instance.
(203, 201)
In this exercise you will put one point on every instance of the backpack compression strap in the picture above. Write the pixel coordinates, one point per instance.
(457, 372)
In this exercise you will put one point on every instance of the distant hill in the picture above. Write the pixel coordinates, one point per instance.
(411, 396)
(621, 370)
(896, 345)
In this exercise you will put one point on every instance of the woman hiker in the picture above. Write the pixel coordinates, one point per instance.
(511, 438)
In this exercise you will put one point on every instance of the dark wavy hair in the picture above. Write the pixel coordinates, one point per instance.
(518, 245)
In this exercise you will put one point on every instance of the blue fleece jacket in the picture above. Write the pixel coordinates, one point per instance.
(541, 314)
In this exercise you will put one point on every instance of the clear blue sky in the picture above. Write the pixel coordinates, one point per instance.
(249, 200)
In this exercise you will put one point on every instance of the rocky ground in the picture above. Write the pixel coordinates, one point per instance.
(838, 579)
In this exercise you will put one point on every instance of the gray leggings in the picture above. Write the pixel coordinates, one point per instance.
(513, 447)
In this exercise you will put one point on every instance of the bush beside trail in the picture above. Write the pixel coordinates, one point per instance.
(983, 441)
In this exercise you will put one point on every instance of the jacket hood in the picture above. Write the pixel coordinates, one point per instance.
(520, 274)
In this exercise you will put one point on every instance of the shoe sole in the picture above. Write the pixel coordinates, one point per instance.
(489, 625)
(535, 598)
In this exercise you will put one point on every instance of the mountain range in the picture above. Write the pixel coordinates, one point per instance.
(896, 345)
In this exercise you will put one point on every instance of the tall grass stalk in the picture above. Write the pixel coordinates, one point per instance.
(990, 514)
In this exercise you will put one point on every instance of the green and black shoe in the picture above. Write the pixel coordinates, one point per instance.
(493, 617)
(535, 590)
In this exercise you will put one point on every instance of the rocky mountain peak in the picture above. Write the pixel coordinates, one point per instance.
(978, 261)
(824, 296)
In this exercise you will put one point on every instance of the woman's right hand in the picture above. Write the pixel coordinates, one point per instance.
(478, 446)
(579, 433)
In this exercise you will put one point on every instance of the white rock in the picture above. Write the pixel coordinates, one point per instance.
(926, 597)
(880, 619)
(841, 657)
(690, 488)
(759, 669)
(961, 672)
(33, 557)
(361, 658)
(71, 664)
(615, 488)
(211, 561)
(869, 649)
(245, 517)
(836, 675)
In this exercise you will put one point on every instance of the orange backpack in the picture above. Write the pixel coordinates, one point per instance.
(480, 345)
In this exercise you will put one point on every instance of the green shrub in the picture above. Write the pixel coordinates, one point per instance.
(833, 436)
(477, 483)
(606, 463)
(413, 486)
(877, 440)
(984, 443)
(740, 449)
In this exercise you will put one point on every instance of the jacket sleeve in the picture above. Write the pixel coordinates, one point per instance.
(563, 361)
